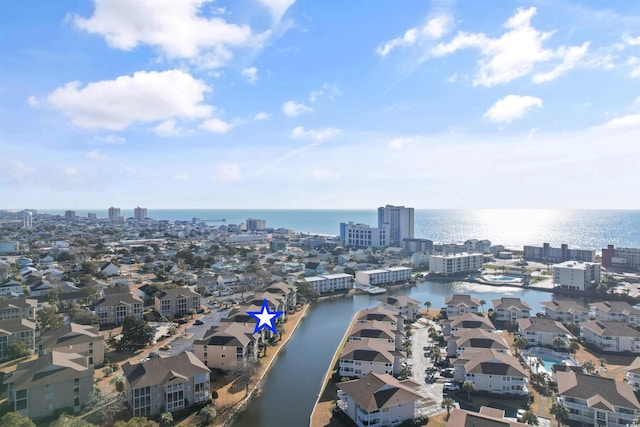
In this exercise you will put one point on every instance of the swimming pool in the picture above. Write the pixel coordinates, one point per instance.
(548, 357)
(502, 279)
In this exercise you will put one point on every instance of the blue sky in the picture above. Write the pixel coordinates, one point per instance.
(319, 104)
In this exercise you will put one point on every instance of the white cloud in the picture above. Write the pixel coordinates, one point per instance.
(261, 116)
(515, 53)
(511, 107)
(111, 139)
(95, 155)
(277, 7)
(251, 74)
(317, 134)
(434, 29)
(182, 177)
(329, 91)
(216, 125)
(630, 121)
(33, 101)
(631, 41)
(400, 143)
(293, 108)
(228, 172)
(176, 28)
(144, 97)
(167, 129)
(635, 72)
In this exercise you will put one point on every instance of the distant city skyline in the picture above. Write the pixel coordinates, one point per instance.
(319, 105)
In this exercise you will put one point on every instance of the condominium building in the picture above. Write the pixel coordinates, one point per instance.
(114, 214)
(364, 235)
(140, 213)
(546, 253)
(400, 220)
(383, 275)
(577, 276)
(417, 245)
(27, 220)
(451, 264)
(255, 224)
(69, 214)
(330, 282)
(620, 257)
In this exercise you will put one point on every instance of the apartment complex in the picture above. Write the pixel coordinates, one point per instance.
(114, 214)
(576, 275)
(330, 282)
(620, 257)
(253, 224)
(364, 235)
(546, 253)
(451, 264)
(400, 221)
(140, 213)
(383, 275)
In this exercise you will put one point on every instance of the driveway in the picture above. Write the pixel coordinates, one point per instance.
(431, 392)
(185, 341)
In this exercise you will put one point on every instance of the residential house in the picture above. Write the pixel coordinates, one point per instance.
(11, 289)
(228, 280)
(15, 330)
(358, 358)
(458, 304)
(406, 307)
(116, 304)
(611, 336)
(46, 262)
(466, 321)
(228, 345)
(166, 384)
(377, 400)
(487, 417)
(542, 331)
(249, 279)
(177, 302)
(509, 309)
(565, 311)
(633, 374)
(596, 400)
(40, 287)
(289, 292)
(84, 340)
(109, 269)
(390, 317)
(615, 310)
(313, 269)
(18, 308)
(475, 340)
(378, 331)
(54, 381)
(491, 371)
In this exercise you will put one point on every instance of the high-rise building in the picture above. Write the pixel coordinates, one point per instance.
(69, 214)
(363, 235)
(400, 220)
(114, 214)
(27, 219)
(140, 213)
(256, 224)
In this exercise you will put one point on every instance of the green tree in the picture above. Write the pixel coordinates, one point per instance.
(574, 347)
(469, 388)
(520, 343)
(448, 404)
(529, 417)
(559, 411)
(207, 415)
(89, 268)
(427, 304)
(137, 422)
(17, 350)
(48, 318)
(306, 293)
(66, 420)
(136, 333)
(482, 303)
(558, 343)
(589, 366)
(166, 419)
(280, 329)
(14, 419)
(435, 355)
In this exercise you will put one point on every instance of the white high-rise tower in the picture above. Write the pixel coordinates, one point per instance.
(400, 222)
(27, 219)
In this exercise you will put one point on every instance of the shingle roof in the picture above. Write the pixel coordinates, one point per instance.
(597, 391)
(610, 328)
(509, 302)
(70, 334)
(160, 370)
(459, 299)
(491, 362)
(378, 391)
(53, 367)
(542, 324)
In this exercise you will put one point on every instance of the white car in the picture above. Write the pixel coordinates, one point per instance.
(450, 386)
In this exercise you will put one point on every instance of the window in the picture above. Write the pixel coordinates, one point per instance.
(142, 402)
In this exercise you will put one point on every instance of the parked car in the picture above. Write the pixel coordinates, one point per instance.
(447, 373)
(450, 386)
(165, 347)
(198, 322)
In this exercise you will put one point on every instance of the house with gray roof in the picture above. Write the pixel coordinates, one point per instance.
(116, 304)
(54, 381)
(177, 302)
(615, 310)
(16, 308)
(596, 400)
(487, 417)
(13, 331)
(377, 400)
(510, 309)
(458, 304)
(165, 384)
(542, 331)
(74, 338)
(465, 322)
(565, 311)
(474, 340)
(406, 306)
(358, 358)
(491, 371)
(611, 336)
(228, 345)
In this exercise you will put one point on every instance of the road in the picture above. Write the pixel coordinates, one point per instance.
(431, 392)
(194, 332)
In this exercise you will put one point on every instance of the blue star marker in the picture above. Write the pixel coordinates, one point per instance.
(265, 318)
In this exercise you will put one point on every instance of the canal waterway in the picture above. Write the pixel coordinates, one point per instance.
(293, 383)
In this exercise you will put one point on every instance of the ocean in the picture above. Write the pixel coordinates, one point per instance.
(513, 228)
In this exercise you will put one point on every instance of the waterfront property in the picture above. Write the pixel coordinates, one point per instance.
(486, 417)
(549, 254)
(565, 311)
(465, 322)
(405, 306)
(54, 381)
(543, 331)
(621, 257)
(615, 310)
(383, 276)
(330, 282)
(377, 400)
(596, 400)
(576, 275)
(378, 331)
(509, 309)
(367, 355)
(611, 336)
(453, 264)
(458, 304)
(228, 345)
(364, 235)
(165, 384)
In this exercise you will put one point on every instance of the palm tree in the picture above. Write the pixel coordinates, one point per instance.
(558, 342)
(469, 387)
(280, 329)
(427, 304)
(529, 417)
(435, 354)
(589, 366)
(559, 411)
(520, 343)
(482, 303)
(448, 404)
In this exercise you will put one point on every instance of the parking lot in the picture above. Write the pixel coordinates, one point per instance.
(432, 391)
(185, 341)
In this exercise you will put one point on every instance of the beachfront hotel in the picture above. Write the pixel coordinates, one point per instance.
(400, 220)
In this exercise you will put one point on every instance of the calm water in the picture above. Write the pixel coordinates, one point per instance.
(513, 228)
(294, 381)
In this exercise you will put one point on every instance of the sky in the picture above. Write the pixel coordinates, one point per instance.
(328, 104)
